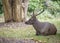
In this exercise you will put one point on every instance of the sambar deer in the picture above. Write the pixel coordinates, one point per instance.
(42, 28)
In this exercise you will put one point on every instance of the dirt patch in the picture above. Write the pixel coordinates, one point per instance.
(14, 40)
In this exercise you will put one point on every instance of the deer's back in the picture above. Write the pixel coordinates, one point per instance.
(44, 26)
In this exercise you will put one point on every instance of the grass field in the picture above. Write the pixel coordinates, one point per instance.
(29, 32)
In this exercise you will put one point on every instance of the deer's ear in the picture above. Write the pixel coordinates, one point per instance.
(32, 13)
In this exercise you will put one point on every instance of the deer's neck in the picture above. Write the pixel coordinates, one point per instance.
(37, 25)
(36, 22)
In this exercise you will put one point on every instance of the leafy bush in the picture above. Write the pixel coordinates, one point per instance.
(1, 7)
(54, 7)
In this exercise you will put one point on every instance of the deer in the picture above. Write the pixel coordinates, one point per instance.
(41, 28)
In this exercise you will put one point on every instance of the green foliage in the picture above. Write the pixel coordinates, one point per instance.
(55, 0)
(1, 7)
(54, 7)
(35, 4)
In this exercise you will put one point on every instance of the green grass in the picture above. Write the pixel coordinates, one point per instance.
(29, 32)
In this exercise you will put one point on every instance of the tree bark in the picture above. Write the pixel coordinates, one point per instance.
(17, 11)
(25, 4)
(14, 10)
(7, 10)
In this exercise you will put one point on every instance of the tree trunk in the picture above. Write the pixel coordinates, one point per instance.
(7, 10)
(17, 10)
(25, 4)
(14, 10)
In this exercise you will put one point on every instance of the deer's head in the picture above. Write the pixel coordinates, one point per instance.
(33, 18)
